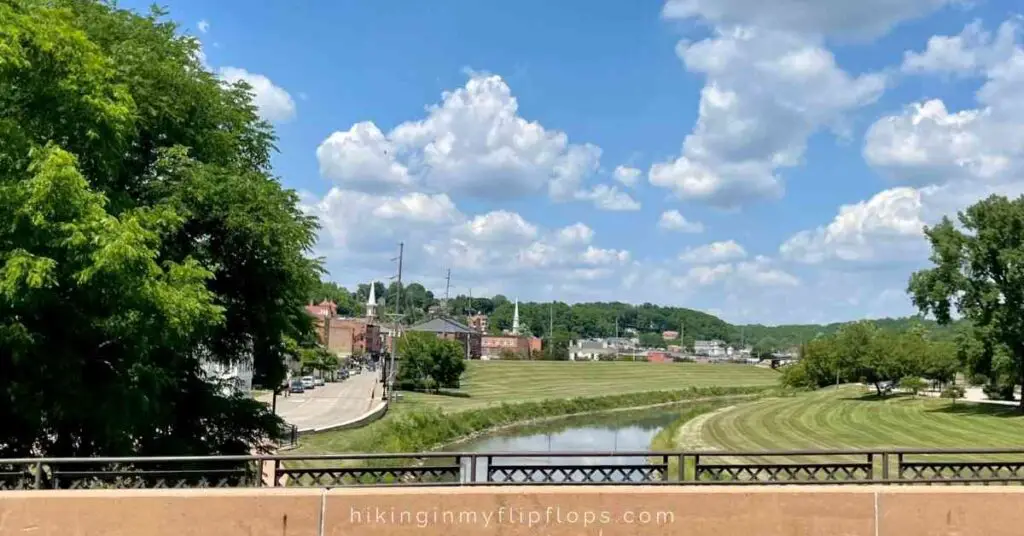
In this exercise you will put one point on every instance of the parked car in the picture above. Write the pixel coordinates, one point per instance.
(343, 374)
(318, 381)
(307, 382)
(297, 387)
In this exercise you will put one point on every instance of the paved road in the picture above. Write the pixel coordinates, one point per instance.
(977, 394)
(330, 404)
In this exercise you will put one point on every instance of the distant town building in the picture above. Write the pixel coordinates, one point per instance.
(589, 349)
(493, 346)
(656, 356)
(479, 323)
(669, 335)
(622, 343)
(346, 336)
(712, 348)
(448, 328)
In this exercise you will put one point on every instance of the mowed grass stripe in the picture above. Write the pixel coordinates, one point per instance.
(847, 419)
(495, 382)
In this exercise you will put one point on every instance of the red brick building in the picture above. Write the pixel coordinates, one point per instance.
(494, 345)
(344, 336)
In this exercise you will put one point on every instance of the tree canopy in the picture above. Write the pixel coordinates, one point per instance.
(978, 273)
(141, 231)
(863, 352)
(429, 362)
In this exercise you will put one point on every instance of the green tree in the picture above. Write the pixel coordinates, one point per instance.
(766, 347)
(141, 231)
(913, 384)
(556, 347)
(429, 362)
(652, 340)
(977, 274)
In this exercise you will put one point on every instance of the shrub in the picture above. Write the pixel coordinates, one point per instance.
(912, 384)
(999, 390)
(796, 376)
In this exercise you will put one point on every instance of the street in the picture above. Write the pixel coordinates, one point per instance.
(330, 404)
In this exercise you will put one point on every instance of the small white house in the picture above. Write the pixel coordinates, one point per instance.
(588, 350)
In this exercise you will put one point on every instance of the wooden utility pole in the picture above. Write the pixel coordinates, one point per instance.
(389, 381)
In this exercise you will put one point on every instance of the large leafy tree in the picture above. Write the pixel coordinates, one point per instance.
(141, 230)
(429, 362)
(979, 273)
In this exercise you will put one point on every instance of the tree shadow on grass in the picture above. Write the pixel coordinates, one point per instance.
(875, 397)
(452, 394)
(975, 408)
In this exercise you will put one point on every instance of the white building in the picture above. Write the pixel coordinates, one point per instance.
(233, 378)
(588, 350)
(712, 348)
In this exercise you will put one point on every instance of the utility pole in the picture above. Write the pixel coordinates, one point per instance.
(551, 318)
(447, 288)
(389, 382)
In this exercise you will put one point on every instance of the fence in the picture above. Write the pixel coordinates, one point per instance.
(896, 467)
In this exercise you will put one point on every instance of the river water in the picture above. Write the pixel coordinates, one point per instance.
(610, 432)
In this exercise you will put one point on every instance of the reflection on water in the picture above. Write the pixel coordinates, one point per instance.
(612, 432)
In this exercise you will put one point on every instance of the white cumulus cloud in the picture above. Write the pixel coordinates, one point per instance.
(273, 102)
(673, 220)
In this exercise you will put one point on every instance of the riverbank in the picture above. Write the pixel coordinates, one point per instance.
(426, 429)
(490, 383)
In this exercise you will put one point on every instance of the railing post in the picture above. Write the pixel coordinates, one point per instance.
(871, 466)
(682, 468)
(885, 466)
(899, 466)
(465, 471)
(472, 468)
(39, 475)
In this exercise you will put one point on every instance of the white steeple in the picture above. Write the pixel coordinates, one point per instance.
(371, 302)
(515, 319)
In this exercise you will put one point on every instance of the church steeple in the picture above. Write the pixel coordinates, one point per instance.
(371, 302)
(515, 319)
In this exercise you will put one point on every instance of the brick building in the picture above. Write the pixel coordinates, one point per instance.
(344, 336)
(493, 346)
(479, 323)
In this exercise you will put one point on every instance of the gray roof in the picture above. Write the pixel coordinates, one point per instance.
(442, 325)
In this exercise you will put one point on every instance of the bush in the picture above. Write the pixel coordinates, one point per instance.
(796, 376)
(999, 390)
(912, 384)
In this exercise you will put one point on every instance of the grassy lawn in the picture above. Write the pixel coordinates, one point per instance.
(850, 418)
(493, 382)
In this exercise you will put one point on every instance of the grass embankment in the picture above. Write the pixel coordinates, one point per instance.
(428, 428)
(487, 383)
(851, 418)
(672, 437)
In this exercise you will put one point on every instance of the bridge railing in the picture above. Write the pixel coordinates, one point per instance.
(843, 467)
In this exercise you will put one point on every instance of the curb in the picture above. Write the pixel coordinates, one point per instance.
(362, 420)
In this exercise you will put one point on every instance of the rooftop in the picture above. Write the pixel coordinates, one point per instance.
(443, 325)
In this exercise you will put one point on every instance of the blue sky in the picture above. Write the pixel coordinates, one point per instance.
(770, 164)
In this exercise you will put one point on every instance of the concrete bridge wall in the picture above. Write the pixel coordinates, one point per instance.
(520, 511)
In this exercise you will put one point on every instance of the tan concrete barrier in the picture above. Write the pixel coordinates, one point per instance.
(514, 511)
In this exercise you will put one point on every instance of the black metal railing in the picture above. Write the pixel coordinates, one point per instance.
(897, 467)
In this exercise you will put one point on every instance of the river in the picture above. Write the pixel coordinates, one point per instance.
(624, 431)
